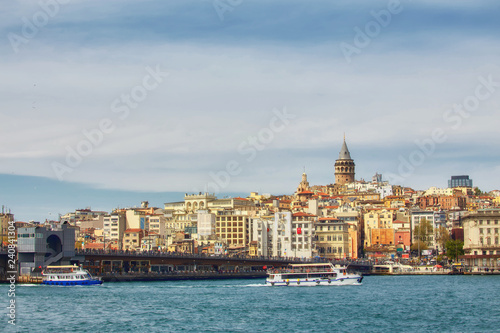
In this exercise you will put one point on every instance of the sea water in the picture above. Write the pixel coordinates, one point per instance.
(380, 304)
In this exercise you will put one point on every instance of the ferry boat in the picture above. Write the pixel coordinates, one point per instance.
(68, 276)
(312, 274)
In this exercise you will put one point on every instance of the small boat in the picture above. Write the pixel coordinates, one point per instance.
(68, 276)
(312, 274)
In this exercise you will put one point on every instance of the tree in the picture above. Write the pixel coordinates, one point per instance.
(454, 248)
(418, 246)
(477, 191)
(442, 236)
(422, 231)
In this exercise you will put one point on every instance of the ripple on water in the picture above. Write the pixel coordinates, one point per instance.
(382, 303)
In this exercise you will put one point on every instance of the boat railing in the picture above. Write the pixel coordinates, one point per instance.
(300, 270)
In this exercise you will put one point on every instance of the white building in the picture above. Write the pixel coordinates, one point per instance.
(284, 235)
(438, 191)
(114, 226)
(206, 223)
(481, 239)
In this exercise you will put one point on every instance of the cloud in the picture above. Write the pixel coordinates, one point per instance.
(226, 78)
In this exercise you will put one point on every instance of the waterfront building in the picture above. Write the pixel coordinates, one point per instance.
(332, 238)
(353, 218)
(206, 223)
(262, 235)
(233, 228)
(481, 239)
(436, 218)
(156, 228)
(302, 235)
(42, 246)
(344, 166)
(132, 239)
(284, 234)
(152, 241)
(114, 226)
(460, 181)
(182, 243)
(375, 219)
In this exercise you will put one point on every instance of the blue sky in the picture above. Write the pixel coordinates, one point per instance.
(240, 96)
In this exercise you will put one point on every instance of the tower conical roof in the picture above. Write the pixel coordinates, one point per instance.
(344, 152)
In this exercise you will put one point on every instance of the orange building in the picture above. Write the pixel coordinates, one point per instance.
(382, 236)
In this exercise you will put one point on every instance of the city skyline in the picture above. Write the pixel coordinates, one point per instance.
(103, 100)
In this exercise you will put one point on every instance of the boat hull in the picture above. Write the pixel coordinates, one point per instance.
(343, 281)
(72, 283)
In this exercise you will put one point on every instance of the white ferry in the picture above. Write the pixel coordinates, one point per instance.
(68, 276)
(313, 274)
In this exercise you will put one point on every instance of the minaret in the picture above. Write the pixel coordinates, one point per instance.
(344, 166)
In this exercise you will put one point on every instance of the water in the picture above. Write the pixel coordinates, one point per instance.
(381, 304)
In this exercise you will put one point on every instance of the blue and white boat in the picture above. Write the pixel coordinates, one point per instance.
(68, 276)
(312, 274)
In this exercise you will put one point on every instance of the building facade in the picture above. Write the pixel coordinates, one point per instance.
(481, 239)
(460, 181)
(332, 238)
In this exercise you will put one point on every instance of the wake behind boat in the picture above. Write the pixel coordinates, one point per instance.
(68, 276)
(312, 274)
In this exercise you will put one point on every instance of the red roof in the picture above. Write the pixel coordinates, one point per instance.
(332, 207)
(133, 230)
(240, 198)
(94, 246)
(303, 214)
(305, 192)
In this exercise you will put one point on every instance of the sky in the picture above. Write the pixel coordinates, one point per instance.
(106, 104)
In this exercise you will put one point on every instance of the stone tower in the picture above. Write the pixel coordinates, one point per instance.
(344, 166)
